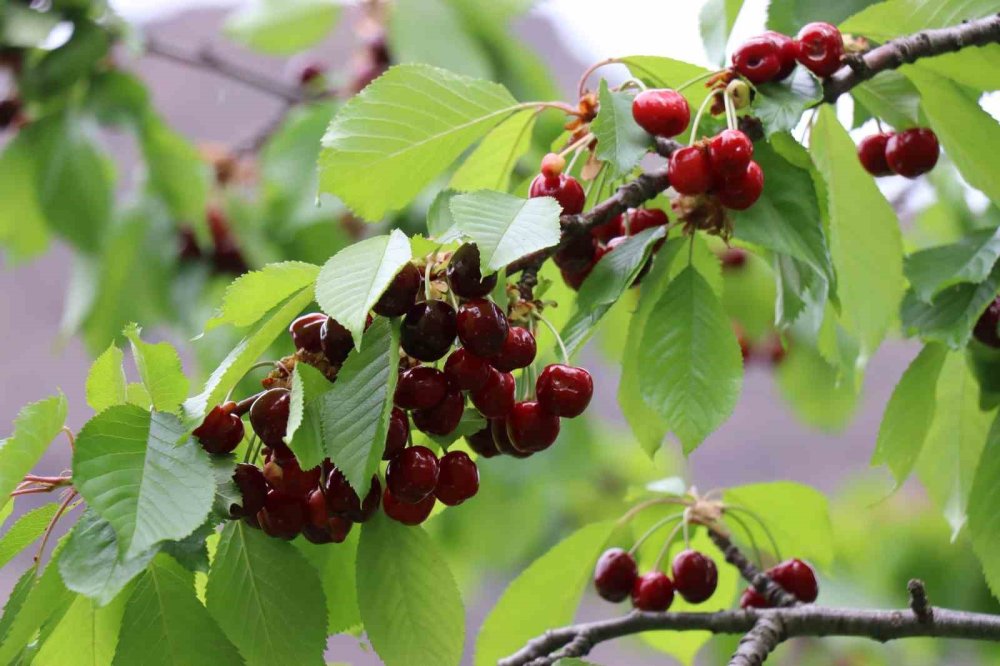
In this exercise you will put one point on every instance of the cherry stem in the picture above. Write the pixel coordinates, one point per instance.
(763, 526)
(638, 508)
(246, 454)
(666, 544)
(582, 141)
(630, 83)
(52, 523)
(652, 530)
(753, 540)
(568, 109)
(730, 110)
(255, 366)
(70, 436)
(697, 117)
(590, 70)
(50, 480)
(559, 340)
(427, 276)
(878, 123)
(691, 82)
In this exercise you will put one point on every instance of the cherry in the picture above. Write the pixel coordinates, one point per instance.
(730, 152)
(413, 474)
(306, 332)
(821, 47)
(465, 276)
(401, 293)
(606, 231)
(282, 516)
(690, 171)
(741, 192)
(531, 428)
(641, 219)
(751, 598)
(661, 112)
(759, 59)
(496, 397)
(420, 387)
(406, 513)
(577, 252)
(458, 479)
(563, 188)
(428, 330)
(912, 152)
(482, 327)
(553, 164)
(798, 578)
(310, 73)
(289, 478)
(397, 434)
(787, 53)
(253, 489)
(482, 442)
(574, 280)
(695, 576)
(501, 439)
(342, 500)
(986, 326)
(564, 390)
(269, 416)
(615, 574)
(335, 341)
(653, 592)
(871, 153)
(466, 371)
(518, 350)
(10, 110)
(187, 243)
(221, 431)
(443, 418)
(336, 531)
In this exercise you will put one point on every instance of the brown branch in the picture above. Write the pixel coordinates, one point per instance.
(774, 593)
(759, 642)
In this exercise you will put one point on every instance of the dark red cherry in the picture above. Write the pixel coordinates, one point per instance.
(730, 152)
(221, 431)
(413, 474)
(871, 153)
(397, 435)
(641, 219)
(342, 500)
(253, 489)
(733, 258)
(741, 192)
(788, 52)
(428, 330)
(615, 574)
(496, 397)
(335, 341)
(798, 578)
(482, 442)
(751, 598)
(311, 72)
(336, 531)
(690, 171)
(269, 416)
(653, 592)
(574, 280)
(401, 293)
(465, 276)
(564, 390)
(695, 576)
(986, 326)
(482, 327)
(443, 418)
(912, 152)
(305, 332)
(758, 59)
(403, 512)
(518, 350)
(458, 479)
(466, 371)
(576, 252)
(607, 230)
(531, 428)
(282, 516)
(661, 112)
(290, 479)
(420, 387)
(563, 188)
(821, 46)
(498, 428)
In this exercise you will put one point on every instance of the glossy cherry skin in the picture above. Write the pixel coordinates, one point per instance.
(406, 513)
(253, 489)
(695, 576)
(641, 219)
(871, 154)
(615, 575)
(751, 598)
(608, 230)
(496, 397)
(336, 341)
(443, 418)
(574, 280)
(821, 47)
(342, 500)
(465, 276)
(986, 326)
(690, 171)
(577, 252)
(482, 327)
(269, 416)
(320, 526)
(563, 390)
(741, 192)
(397, 435)
(482, 442)
(730, 152)
(305, 332)
(531, 428)
(221, 431)
(661, 112)
(401, 293)
(788, 53)
(428, 331)
(501, 439)
(518, 350)
(758, 59)
(798, 578)
(653, 592)
(282, 516)
(413, 474)
(420, 387)
(913, 152)
(458, 479)
(466, 371)
(290, 479)
(564, 188)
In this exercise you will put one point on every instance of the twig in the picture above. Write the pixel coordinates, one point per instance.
(70, 496)
(919, 604)
(774, 593)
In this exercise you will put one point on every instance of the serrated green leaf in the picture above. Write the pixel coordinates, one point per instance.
(282, 27)
(410, 604)
(661, 72)
(787, 16)
(304, 434)
(621, 143)
(177, 173)
(85, 636)
(969, 260)
(505, 227)
(25, 531)
(23, 229)
(160, 370)
(376, 132)
(780, 104)
(353, 280)
(490, 165)
(261, 591)
(35, 427)
(816, 390)
(431, 32)
(440, 223)
(951, 315)
(336, 568)
(984, 519)
(891, 97)
(252, 295)
(716, 21)
(143, 473)
(106, 380)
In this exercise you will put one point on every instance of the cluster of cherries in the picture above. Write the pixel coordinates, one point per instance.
(909, 153)
(795, 576)
(225, 255)
(616, 577)
(771, 56)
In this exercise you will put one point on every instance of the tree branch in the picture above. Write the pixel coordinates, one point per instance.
(774, 593)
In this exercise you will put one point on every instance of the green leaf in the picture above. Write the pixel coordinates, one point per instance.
(176, 170)
(489, 166)
(61, 67)
(106, 380)
(621, 143)
(969, 260)
(865, 241)
(262, 591)
(661, 72)
(431, 32)
(891, 97)
(910, 413)
(36, 602)
(779, 105)
(355, 411)
(26, 27)
(505, 227)
(304, 434)
(378, 132)
(545, 595)
(252, 295)
(691, 371)
(984, 519)
(410, 604)
(164, 623)
(35, 427)
(336, 568)
(282, 27)
(143, 473)
(951, 315)
(85, 636)
(353, 280)
(816, 390)
(25, 531)
(716, 21)
(23, 229)
(160, 370)
(787, 16)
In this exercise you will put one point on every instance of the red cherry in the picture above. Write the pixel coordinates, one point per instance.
(496, 397)
(464, 274)
(788, 53)
(730, 152)
(518, 350)
(564, 188)
(221, 431)
(342, 500)
(576, 253)
(305, 332)
(482, 442)
(501, 439)
(661, 112)
(315, 507)
(458, 479)
(690, 171)
(282, 516)
(733, 258)
(798, 578)
(253, 489)
(397, 434)
(615, 574)
(871, 153)
(336, 341)
(912, 152)
(310, 73)
(482, 327)
(466, 371)
(420, 387)
(653, 592)
(269, 416)
(531, 428)
(751, 598)
(401, 293)
(564, 390)
(641, 219)
(553, 164)
(443, 418)
(408, 514)
(413, 474)
(336, 531)
(758, 59)
(741, 192)
(290, 479)
(986, 326)
(821, 47)
(428, 330)
(574, 280)
(607, 230)
(695, 576)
